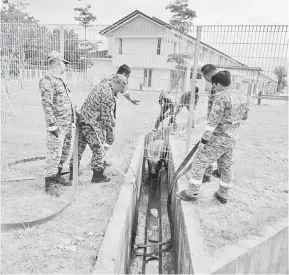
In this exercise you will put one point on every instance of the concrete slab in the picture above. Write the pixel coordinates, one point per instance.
(115, 250)
(266, 251)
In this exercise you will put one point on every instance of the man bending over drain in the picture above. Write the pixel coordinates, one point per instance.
(229, 108)
(185, 101)
(167, 109)
(95, 124)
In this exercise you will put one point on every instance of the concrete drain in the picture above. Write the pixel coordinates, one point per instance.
(152, 226)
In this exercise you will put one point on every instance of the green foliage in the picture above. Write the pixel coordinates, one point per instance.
(85, 17)
(180, 59)
(26, 45)
(183, 16)
(281, 72)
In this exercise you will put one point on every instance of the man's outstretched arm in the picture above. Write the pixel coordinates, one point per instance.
(133, 101)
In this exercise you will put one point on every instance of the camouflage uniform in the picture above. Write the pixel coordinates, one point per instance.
(58, 111)
(95, 122)
(185, 101)
(125, 94)
(228, 109)
(167, 109)
(211, 99)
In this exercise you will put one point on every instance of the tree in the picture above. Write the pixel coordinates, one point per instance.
(14, 37)
(281, 72)
(182, 21)
(85, 18)
(182, 18)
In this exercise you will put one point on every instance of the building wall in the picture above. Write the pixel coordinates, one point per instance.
(160, 80)
(139, 40)
(101, 68)
(139, 26)
(141, 52)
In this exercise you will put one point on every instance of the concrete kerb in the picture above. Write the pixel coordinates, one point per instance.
(265, 253)
(114, 253)
(190, 254)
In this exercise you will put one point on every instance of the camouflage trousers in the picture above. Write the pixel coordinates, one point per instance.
(88, 135)
(58, 150)
(166, 110)
(215, 150)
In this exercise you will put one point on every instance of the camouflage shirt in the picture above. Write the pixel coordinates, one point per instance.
(230, 107)
(165, 100)
(211, 99)
(98, 107)
(125, 93)
(56, 100)
(186, 98)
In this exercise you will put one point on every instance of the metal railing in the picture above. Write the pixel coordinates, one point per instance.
(160, 59)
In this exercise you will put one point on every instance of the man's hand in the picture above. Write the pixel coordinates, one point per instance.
(135, 101)
(106, 146)
(53, 129)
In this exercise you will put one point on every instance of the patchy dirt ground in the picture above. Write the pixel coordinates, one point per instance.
(68, 244)
(260, 179)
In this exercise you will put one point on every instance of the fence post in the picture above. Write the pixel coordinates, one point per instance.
(256, 83)
(192, 101)
(259, 98)
(61, 49)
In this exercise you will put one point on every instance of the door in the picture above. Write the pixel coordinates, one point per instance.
(147, 77)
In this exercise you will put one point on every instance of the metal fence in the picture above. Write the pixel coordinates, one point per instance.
(160, 58)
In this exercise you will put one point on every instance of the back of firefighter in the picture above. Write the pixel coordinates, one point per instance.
(59, 116)
(95, 124)
(229, 108)
(185, 101)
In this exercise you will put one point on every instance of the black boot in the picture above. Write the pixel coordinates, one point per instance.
(98, 177)
(220, 199)
(206, 179)
(60, 180)
(51, 187)
(185, 197)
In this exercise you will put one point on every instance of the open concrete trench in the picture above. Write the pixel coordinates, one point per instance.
(151, 226)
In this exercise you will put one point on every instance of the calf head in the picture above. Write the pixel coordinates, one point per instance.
(156, 157)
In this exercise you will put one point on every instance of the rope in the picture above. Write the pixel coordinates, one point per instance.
(23, 225)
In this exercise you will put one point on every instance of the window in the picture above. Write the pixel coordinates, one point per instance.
(159, 46)
(148, 77)
(175, 47)
(199, 75)
(120, 46)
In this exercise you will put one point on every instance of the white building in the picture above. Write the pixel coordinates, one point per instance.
(144, 43)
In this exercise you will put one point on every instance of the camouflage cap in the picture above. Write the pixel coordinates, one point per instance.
(56, 55)
(119, 79)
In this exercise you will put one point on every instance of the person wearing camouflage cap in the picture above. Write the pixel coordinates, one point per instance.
(95, 124)
(125, 71)
(59, 116)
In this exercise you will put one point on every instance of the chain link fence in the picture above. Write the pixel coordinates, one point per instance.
(160, 57)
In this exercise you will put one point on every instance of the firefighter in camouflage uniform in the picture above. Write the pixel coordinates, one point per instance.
(208, 71)
(95, 124)
(167, 109)
(185, 101)
(125, 71)
(59, 116)
(229, 108)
